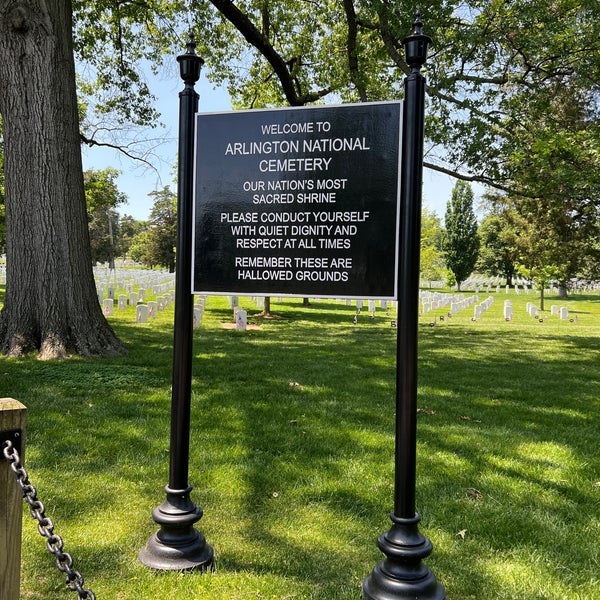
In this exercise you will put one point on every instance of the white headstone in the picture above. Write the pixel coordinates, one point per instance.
(122, 302)
(141, 313)
(197, 317)
(564, 313)
(241, 321)
(107, 306)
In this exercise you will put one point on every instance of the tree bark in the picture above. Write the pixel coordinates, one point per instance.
(50, 303)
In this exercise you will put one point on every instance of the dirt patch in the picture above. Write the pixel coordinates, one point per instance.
(250, 326)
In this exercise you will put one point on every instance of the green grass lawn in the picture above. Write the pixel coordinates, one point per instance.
(292, 449)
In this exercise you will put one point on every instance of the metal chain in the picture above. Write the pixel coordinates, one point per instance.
(54, 543)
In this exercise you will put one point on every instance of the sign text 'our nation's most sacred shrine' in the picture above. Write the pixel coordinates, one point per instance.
(298, 202)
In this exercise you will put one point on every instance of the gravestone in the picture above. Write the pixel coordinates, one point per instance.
(241, 321)
(564, 313)
(122, 305)
(197, 318)
(107, 307)
(153, 309)
(141, 313)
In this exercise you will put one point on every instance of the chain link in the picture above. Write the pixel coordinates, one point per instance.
(54, 543)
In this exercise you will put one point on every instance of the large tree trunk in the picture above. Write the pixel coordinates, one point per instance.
(50, 303)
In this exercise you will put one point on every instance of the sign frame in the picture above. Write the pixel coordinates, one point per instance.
(298, 202)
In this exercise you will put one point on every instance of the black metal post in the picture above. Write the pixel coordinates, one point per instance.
(402, 574)
(177, 545)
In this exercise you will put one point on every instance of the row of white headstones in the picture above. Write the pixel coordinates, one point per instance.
(161, 286)
(479, 284)
(458, 302)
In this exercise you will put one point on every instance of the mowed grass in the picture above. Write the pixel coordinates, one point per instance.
(292, 453)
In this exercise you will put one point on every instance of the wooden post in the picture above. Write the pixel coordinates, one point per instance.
(12, 417)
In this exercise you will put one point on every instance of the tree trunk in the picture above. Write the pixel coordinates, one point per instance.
(50, 303)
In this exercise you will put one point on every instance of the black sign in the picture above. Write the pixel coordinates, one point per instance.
(298, 202)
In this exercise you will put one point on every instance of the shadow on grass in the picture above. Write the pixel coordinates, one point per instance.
(292, 446)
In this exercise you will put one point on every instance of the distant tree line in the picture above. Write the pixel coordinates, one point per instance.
(112, 236)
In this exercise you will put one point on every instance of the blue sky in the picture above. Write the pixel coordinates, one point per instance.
(137, 181)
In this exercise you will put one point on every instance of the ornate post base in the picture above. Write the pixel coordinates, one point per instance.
(402, 574)
(177, 546)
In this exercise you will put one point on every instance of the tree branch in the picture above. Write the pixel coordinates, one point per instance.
(471, 178)
(92, 142)
(352, 50)
(254, 36)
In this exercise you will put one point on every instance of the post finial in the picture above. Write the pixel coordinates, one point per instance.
(191, 44)
(417, 25)
(416, 44)
(190, 63)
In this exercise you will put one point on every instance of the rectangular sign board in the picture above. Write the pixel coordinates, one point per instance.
(298, 202)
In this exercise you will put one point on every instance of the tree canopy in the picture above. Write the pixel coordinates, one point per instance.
(155, 245)
(492, 67)
(461, 242)
(102, 198)
(499, 252)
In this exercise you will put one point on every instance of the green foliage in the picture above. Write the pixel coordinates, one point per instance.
(102, 197)
(292, 453)
(488, 63)
(128, 229)
(432, 259)
(557, 166)
(461, 242)
(504, 78)
(499, 250)
(155, 246)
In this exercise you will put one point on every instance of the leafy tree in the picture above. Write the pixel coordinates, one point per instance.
(461, 242)
(432, 258)
(156, 245)
(499, 251)
(128, 229)
(102, 197)
(484, 55)
(557, 165)
(138, 249)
